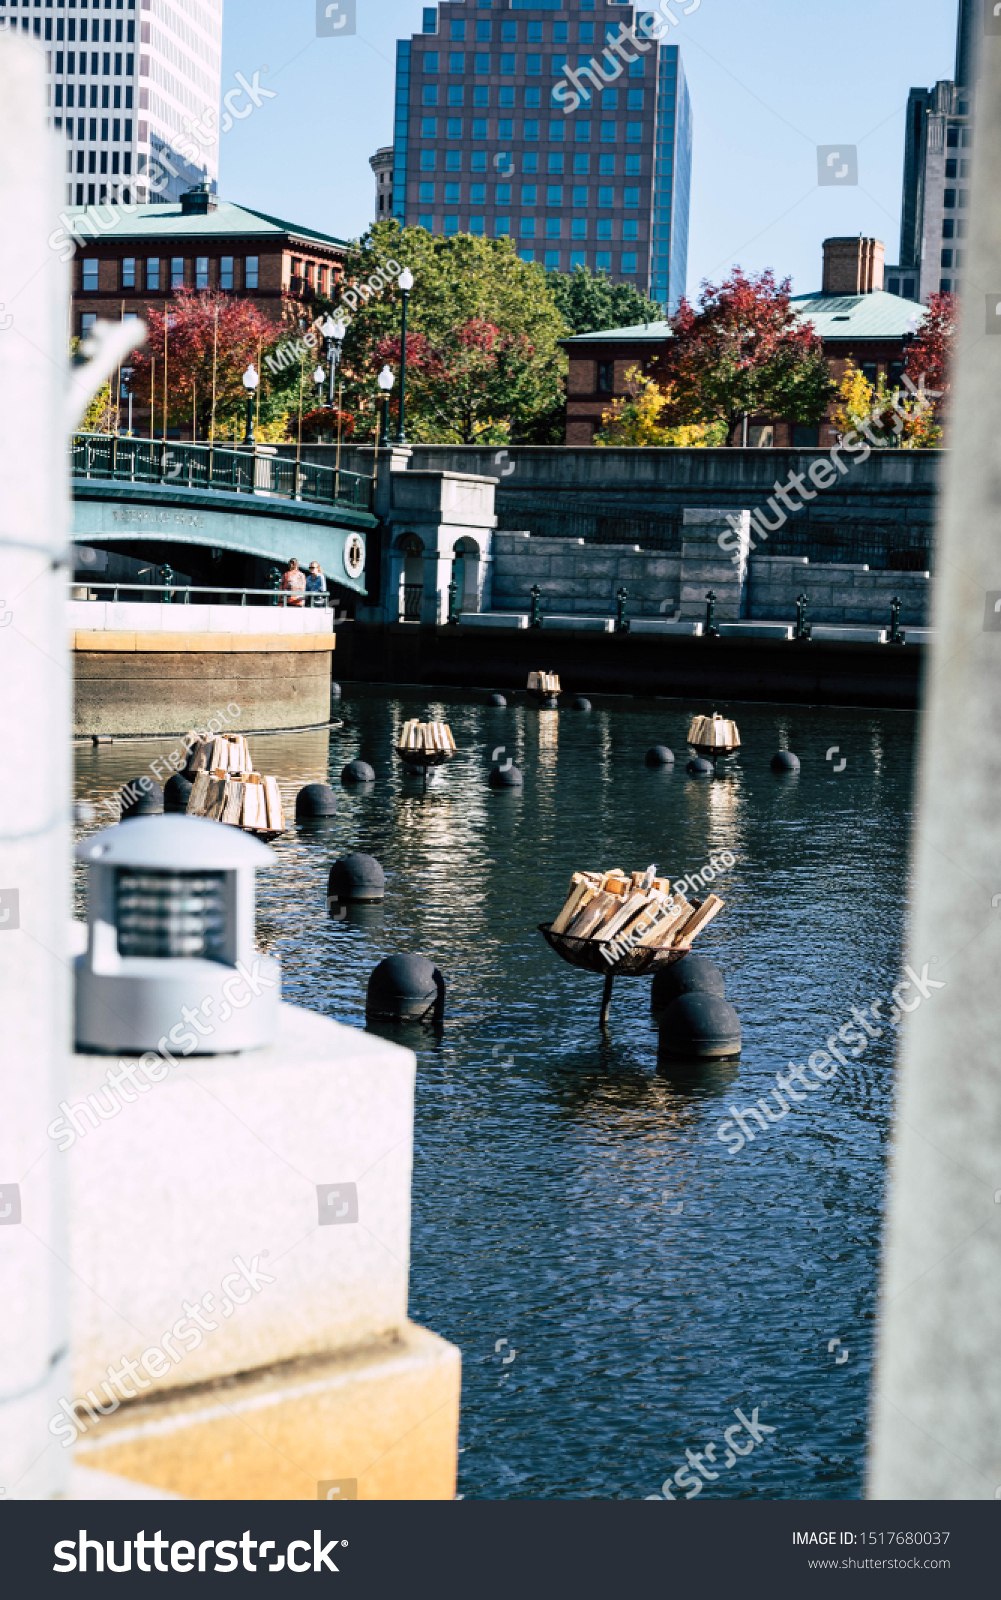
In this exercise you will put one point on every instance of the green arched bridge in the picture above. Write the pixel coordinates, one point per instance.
(248, 501)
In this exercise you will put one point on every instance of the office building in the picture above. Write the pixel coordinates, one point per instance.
(517, 118)
(382, 165)
(937, 156)
(133, 88)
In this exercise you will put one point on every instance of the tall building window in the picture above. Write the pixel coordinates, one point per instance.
(457, 61)
(201, 272)
(153, 273)
(177, 272)
(90, 274)
(226, 272)
(250, 272)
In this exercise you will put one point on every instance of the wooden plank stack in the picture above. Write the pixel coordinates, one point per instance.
(227, 789)
(637, 905)
(426, 738)
(713, 733)
(544, 683)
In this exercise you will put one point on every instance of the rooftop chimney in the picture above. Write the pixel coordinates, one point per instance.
(198, 202)
(853, 266)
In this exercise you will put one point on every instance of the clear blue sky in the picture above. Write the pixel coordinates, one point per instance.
(769, 79)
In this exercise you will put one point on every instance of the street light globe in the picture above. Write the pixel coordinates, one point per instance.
(251, 378)
(339, 330)
(406, 280)
(327, 328)
(318, 375)
(386, 379)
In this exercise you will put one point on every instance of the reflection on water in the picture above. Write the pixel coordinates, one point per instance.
(550, 1162)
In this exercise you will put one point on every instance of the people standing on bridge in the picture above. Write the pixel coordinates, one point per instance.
(316, 583)
(294, 580)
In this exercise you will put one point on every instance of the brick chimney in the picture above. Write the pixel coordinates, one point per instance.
(853, 266)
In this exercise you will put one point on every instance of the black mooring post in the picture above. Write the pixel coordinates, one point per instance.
(606, 999)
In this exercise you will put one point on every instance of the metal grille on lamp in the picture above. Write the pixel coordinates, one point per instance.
(164, 914)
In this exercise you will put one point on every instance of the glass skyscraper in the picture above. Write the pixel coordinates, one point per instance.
(518, 118)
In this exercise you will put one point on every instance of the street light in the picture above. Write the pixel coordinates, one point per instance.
(126, 388)
(386, 381)
(333, 332)
(250, 382)
(406, 283)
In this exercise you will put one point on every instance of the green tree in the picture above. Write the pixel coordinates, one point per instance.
(590, 302)
(483, 359)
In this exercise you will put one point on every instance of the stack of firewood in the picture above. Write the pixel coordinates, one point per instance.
(713, 733)
(637, 908)
(227, 789)
(426, 738)
(544, 683)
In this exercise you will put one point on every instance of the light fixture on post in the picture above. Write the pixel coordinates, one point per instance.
(386, 381)
(170, 940)
(250, 381)
(406, 283)
(318, 376)
(333, 331)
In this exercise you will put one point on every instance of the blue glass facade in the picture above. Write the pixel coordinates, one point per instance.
(672, 182)
(602, 139)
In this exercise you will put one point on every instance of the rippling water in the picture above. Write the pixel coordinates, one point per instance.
(550, 1161)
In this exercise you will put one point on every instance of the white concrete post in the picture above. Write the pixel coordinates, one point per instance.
(35, 793)
(937, 1409)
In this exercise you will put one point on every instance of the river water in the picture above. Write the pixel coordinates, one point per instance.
(568, 1198)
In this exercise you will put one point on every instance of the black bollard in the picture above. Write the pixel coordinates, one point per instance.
(580, 702)
(784, 761)
(690, 975)
(358, 772)
(659, 755)
(405, 988)
(177, 793)
(496, 700)
(316, 800)
(141, 798)
(699, 767)
(356, 879)
(505, 778)
(699, 1027)
(335, 691)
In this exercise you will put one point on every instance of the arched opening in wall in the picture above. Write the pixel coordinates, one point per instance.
(412, 582)
(466, 574)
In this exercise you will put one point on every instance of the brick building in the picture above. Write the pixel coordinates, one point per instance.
(856, 319)
(200, 243)
(533, 120)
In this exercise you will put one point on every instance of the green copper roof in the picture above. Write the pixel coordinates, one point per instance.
(167, 222)
(859, 316)
(834, 316)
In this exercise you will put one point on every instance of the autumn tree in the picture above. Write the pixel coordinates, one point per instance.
(211, 339)
(745, 351)
(636, 419)
(928, 363)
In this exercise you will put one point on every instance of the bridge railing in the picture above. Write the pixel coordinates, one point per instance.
(164, 593)
(120, 459)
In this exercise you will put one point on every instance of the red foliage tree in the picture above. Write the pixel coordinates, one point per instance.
(743, 352)
(928, 363)
(203, 330)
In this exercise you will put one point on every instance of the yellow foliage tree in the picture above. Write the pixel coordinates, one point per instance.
(635, 420)
(888, 419)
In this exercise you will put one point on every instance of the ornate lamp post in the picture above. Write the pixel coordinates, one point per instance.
(250, 382)
(406, 282)
(386, 381)
(333, 331)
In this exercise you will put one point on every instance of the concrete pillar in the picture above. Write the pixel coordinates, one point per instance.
(936, 1426)
(35, 793)
(706, 564)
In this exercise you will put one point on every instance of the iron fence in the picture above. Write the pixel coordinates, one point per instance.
(121, 459)
(164, 593)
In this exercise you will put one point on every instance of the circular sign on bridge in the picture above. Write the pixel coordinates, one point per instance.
(354, 555)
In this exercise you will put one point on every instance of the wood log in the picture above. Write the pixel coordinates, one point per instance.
(698, 920)
(592, 915)
(581, 891)
(198, 798)
(276, 817)
(232, 807)
(255, 806)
